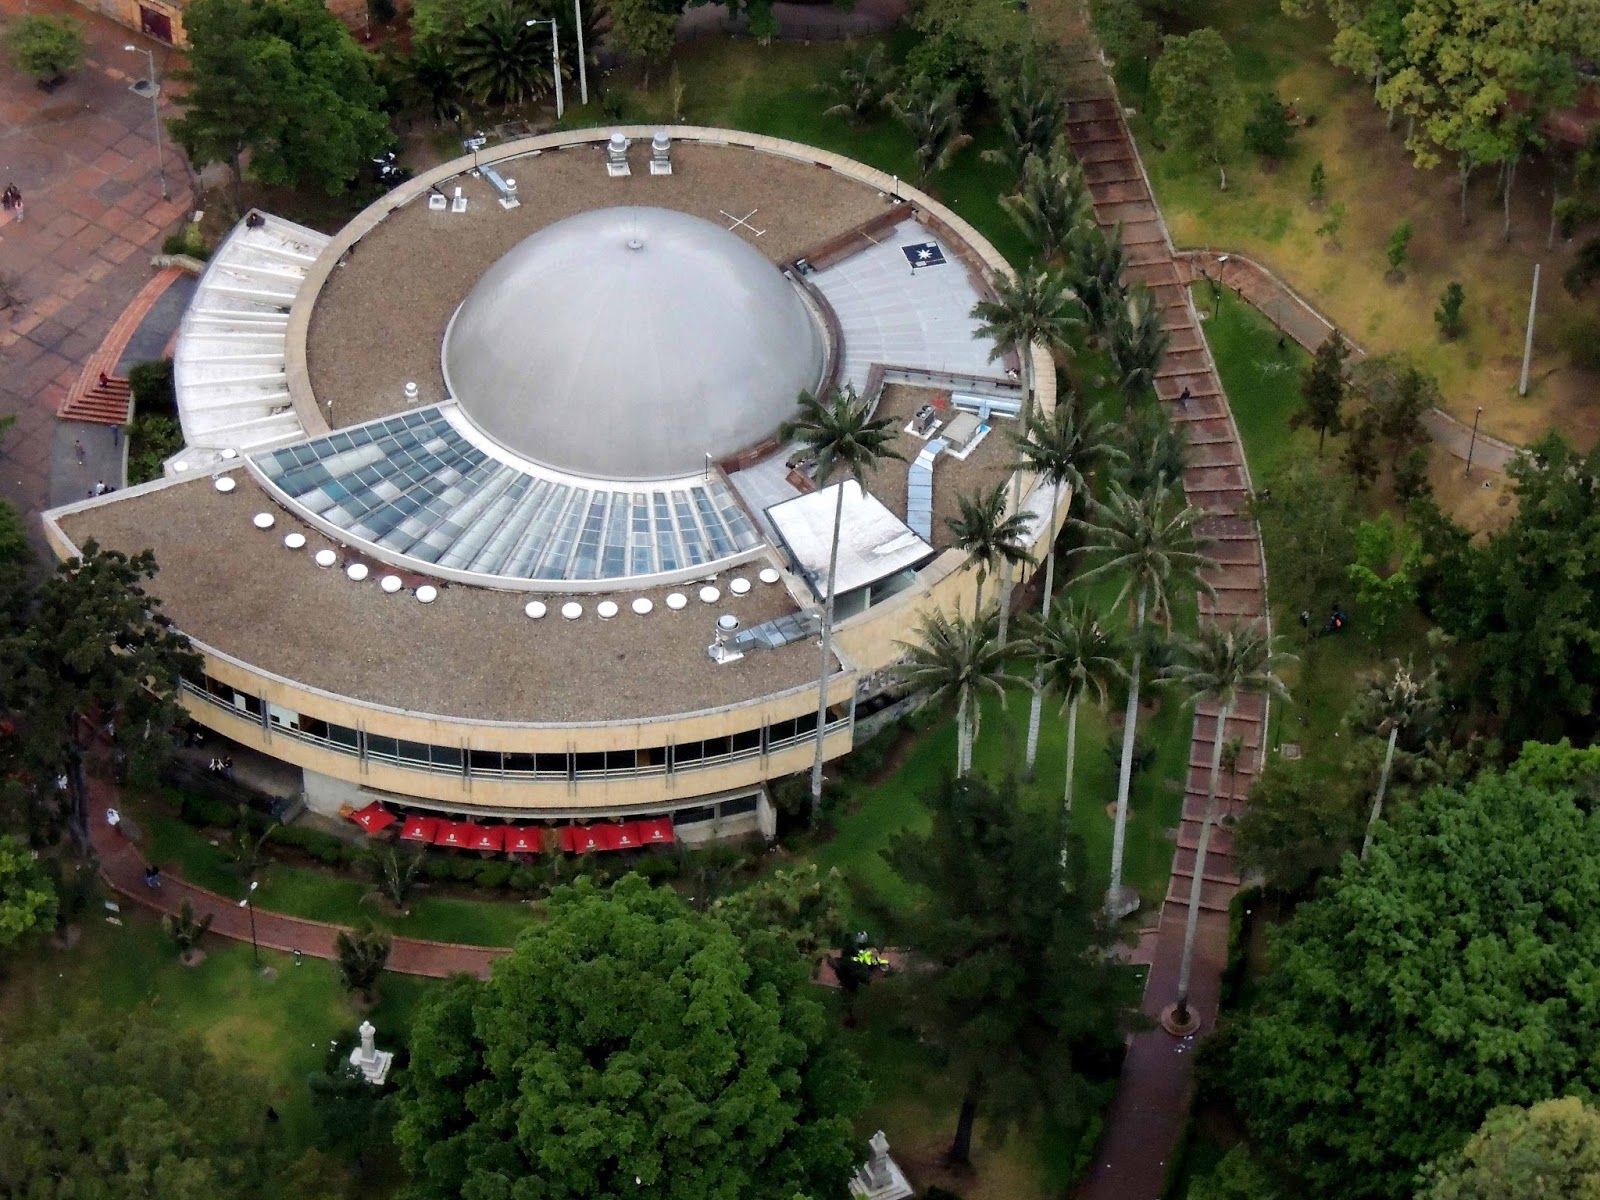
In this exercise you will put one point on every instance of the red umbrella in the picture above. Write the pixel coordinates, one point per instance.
(452, 833)
(419, 829)
(487, 837)
(523, 839)
(579, 839)
(608, 836)
(654, 831)
(374, 817)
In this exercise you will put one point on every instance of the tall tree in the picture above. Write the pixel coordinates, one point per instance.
(284, 80)
(27, 896)
(1197, 94)
(863, 85)
(128, 1109)
(1426, 986)
(836, 433)
(960, 660)
(1150, 542)
(1033, 115)
(504, 57)
(1031, 307)
(988, 536)
(429, 80)
(1307, 519)
(1017, 991)
(1076, 656)
(645, 30)
(1546, 1151)
(1223, 664)
(1323, 387)
(1094, 272)
(1301, 820)
(1051, 205)
(629, 1045)
(1154, 449)
(1394, 702)
(931, 113)
(1065, 449)
(362, 954)
(1136, 342)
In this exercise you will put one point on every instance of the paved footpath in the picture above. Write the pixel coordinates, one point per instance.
(122, 867)
(1150, 1111)
(84, 157)
(1293, 314)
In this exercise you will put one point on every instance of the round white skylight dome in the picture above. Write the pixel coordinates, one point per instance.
(629, 343)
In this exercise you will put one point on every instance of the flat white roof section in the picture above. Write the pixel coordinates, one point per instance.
(873, 543)
(890, 312)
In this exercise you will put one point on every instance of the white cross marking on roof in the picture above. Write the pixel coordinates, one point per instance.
(744, 220)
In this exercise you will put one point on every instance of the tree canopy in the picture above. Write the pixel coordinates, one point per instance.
(629, 1046)
(126, 1110)
(1455, 970)
(27, 896)
(1013, 985)
(283, 81)
(1550, 1151)
(1197, 93)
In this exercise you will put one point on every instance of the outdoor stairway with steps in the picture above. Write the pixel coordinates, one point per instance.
(111, 403)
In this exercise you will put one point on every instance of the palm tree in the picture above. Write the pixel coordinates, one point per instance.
(1150, 541)
(502, 57)
(863, 86)
(988, 536)
(1032, 117)
(1154, 448)
(1136, 340)
(1095, 268)
(1225, 662)
(1392, 702)
(1031, 307)
(362, 954)
(1075, 654)
(1051, 204)
(430, 81)
(961, 660)
(186, 930)
(933, 115)
(836, 433)
(1065, 448)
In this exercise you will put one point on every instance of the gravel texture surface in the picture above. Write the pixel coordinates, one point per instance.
(472, 653)
(983, 468)
(380, 320)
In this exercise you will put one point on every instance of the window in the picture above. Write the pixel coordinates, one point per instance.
(737, 808)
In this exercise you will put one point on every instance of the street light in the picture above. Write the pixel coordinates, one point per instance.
(255, 948)
(583, 71)
(155, 112)
(1473, 445)
(555, 60)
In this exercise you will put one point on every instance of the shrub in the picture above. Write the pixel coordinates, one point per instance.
(205, 811)
(188, 241)
(1319, 182)
(323, 847)
(1399, 246)
(464, 870)
(45, 47)
(1585, 268)
(529, 879)
(1411, 475)
(791, 795)
(1448, 315)
(1580, 338)
(439, 870)
(151, 441)
(657, 866)
(151, 384)
(493, 874)
(1267, 133)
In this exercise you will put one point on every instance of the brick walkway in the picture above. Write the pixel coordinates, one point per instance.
(1290, 312)
(84, 157)
(1148, 1115)
(122, 867)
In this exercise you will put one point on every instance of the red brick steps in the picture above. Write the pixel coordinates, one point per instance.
(110, 402)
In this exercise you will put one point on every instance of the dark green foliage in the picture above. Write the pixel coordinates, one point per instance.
(151, 384)
(803, 908)
(1319, 182)
(1411, 481)
(1398, 396)
(1448, 315)
(493, 874)
(1123, 29)
(353, 1118)
(323, 847)
(1323, 387)
(185, 929)
(362, 955)
(1453, 971)
(428, 79)
(1154, 450)
(1267, 131)
(44, 46)
(206, 811)
(1307, 520)
(1361, 460)
(1197, 94)
(285, 81)
(187, 241)
(1399, 246)
(503, 59)
(628, 1022)
(27, 895)
(1300, 822)
(1585, 268)
(126, 1109)
(1017, 995)
(152, 440)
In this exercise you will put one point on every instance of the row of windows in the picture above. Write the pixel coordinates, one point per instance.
(490, 764)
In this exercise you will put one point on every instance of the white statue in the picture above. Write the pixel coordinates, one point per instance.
(368, 1059)
(880, 1177)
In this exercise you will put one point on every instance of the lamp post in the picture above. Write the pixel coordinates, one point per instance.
(1473, 444)
(555, 59)
(155, 112)
(247, 902)
(583, 70)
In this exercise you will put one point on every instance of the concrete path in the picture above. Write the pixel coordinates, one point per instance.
(1149, 1113)
(84, 157)
(122, 867)
(1293, 314)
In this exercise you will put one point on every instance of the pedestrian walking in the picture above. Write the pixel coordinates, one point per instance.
(1185, 396)
(113, 818)
(8, 198)
(152, 876)
(77, 448)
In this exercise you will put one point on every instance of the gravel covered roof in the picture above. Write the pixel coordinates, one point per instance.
(473, 653)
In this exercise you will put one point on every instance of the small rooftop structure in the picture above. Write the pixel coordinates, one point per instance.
(873, 543)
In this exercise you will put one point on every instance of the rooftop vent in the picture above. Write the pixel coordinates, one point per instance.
(295, 541)
(642, 606)
(262, 520)
(617, 156)
(661, 153)
(535, 609)
(427, 594)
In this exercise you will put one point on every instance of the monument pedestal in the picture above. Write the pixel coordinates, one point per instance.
(368, 1059)
(880, 1177)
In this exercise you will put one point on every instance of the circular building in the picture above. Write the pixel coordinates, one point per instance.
(486, 518)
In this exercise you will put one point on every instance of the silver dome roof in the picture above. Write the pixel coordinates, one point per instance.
(628, 343)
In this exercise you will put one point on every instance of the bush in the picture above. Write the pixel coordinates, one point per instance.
(493, 874)
(1580, 338)
(1267, 133)
(529, 879)
(188, 241)
(205, 811)
(657, 866)
(1584, 270)
(323, 847)
(464, 870)
(151, 384)
(44, 47)
(439, 870)
(151, 441)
